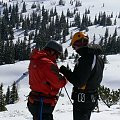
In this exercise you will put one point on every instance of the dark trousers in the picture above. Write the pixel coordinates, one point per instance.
(40, 111)
(82, 110)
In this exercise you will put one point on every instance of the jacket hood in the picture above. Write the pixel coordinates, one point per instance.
(90, 49)
(38, 54)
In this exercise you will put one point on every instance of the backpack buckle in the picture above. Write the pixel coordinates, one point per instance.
(81, 97)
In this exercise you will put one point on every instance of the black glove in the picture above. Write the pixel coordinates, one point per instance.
(66, 72)
(62, 69)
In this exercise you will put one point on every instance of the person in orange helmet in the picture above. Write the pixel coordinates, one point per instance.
(86, 76)
(45, 81)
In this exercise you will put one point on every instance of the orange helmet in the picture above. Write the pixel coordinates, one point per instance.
(81, 38)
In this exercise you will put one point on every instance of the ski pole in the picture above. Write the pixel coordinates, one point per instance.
(68, 95)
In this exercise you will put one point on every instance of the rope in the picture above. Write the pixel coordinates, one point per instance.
(41, 107)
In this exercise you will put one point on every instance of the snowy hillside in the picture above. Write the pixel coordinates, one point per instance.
(94, 6)
(63, 111)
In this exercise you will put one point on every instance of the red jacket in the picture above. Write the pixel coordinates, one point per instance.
(44, 74)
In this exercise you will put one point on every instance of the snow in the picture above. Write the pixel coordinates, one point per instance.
(63, 110)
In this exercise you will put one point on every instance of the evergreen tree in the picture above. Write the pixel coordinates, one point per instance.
(118, 44)
(6, 15)
(106, 33)
(17, 49)
(33, 5)
(67, 27)
(111, 16)
(11, 33)
(115, 22)
(105, 45)
(38, 22)
(119, 15)
(21, 17)
(55, 11)
(1, 46)
(99, 18)
(43, 10)
(71, 35)
(87, 11)
(61, 2)
(105, 59)
(103, 19)
(14, 94)
(6, 53)
(101, 42)
(12, 52)
(115, 33)
(108, 21)
(83, 23)
(1, 52)
(68, 12)
(45, 18)
(113, 46)
(24, 49)
(108, 47)
(24, 24)
(51, 12)
(51, 29)
(76, 58)
(66, 53)
(24, 8)
(2, 99)
(14, 16)
(9, 56)
(108, 97)
(77, 20)
(62, 20)
(33, 20)
(78, 4)
(57, 28)
(10, 9)
(94, 39)
(38, 7)
(17, 8)
(28, 50)
(95, 21)
(4, 30)
(8, 93)
(40, 38)
(64, 34)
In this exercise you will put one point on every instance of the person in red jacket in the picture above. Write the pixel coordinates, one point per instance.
(45, 81)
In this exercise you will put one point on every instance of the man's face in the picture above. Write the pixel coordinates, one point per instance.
(80, 43)
(55, 54)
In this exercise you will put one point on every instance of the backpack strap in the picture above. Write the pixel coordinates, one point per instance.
(94, 62)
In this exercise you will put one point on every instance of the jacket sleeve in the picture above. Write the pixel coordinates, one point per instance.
(81, 72)
(54, 77)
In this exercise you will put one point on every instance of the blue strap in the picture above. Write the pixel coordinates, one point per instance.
(41, 107)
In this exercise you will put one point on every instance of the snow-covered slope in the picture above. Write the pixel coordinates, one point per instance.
(63, 110)
(94, 6)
